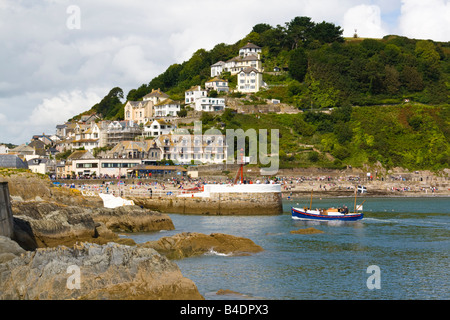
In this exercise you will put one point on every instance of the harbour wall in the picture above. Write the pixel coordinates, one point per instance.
(6, 216)
(236, 203)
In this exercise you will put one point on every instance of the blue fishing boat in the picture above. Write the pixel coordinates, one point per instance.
(330, 214)
(324, 215)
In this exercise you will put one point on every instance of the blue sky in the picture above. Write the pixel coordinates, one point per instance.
(51, 70)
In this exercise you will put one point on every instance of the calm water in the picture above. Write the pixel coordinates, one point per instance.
(407, 238)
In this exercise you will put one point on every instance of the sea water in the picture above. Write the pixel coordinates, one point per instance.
(405, 240)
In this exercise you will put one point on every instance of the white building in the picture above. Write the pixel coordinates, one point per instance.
(217, 84)
(249, 56)
(194, 93)
(157, 128)
(3, 149)
(200, 148)
(210, 104)
(249, 80)
(217, 68)
(166, 108)
(250, 49)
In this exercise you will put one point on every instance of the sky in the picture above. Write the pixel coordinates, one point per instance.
(60, 57)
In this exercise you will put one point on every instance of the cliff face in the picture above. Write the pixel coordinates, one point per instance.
(91, 271)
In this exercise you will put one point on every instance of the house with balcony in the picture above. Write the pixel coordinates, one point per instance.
(194, 93)
(217, 84)
(166, 108)
(157, 127)
(209, 104)
(198, 148)
(249, 80)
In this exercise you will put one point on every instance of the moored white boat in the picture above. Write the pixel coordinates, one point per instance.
(324, 215)
(330, 214)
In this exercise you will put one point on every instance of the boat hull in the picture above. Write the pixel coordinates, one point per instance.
(305, 215)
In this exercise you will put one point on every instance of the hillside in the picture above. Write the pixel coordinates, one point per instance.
(390, 96)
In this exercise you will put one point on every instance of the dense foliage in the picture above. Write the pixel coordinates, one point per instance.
(411, 136)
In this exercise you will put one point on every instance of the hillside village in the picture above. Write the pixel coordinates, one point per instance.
(146, 137)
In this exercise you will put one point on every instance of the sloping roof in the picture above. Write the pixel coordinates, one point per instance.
(250, 45)
(12, 161)
(249, 70)
(22, 148)
(216, 79)
(167, 101)
(218, 63)
(156, 93)
(80, 154)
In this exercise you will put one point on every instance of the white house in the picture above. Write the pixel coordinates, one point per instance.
(217, 84)
(3, 149)
(39, 165)
(210, 104)
(250, 49)
(157, 128)
(194, 93)
(217, 68)
(166, 108)
(249, 80)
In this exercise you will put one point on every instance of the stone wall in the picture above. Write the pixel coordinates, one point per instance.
(6, 217)
(217, 204)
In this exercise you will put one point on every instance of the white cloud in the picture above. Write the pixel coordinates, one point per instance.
(62, 107)
(366, 19)
(425, 19)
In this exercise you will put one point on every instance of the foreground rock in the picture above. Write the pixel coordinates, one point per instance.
(39, 224)
(110, 271)
(132, 219)
(9, 249)
(189, 244)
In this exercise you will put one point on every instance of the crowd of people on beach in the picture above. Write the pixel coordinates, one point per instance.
(289, 184)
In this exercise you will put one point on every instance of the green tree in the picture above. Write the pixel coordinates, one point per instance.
(298, 64)
(111, 104)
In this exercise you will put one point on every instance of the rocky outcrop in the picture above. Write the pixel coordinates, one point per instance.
(9, 249)
(132, 219)
(26, 186)
(189, 244)
(39, 224)
(94, 272)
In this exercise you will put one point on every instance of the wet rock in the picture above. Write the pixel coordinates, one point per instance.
(307, 231)
(189, 244)
(97, 272)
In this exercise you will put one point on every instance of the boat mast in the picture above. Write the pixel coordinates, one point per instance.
(310, 203)
(240, 170)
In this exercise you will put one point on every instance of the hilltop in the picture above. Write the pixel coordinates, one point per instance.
(389, 97)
